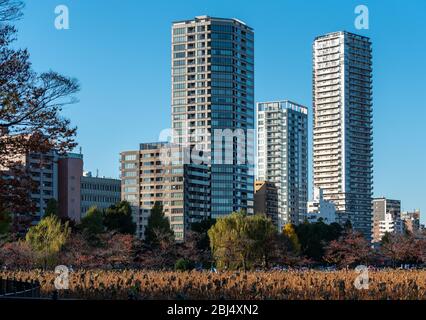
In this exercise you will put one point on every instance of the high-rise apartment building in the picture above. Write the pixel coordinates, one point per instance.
(343, 129)
(283, 155)
(213, 112)
(155, 173)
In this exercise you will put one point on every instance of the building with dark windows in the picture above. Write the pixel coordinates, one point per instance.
(343, 125)
(99, 192)
(266, 200)
(282, 152)
(213, 113)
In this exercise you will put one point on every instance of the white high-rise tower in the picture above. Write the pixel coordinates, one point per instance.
(343, 135)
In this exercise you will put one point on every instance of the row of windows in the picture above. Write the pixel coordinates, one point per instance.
(101, 187)
(100, 198)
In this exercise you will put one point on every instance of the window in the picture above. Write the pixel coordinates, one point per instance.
(179, 31)
(130, 189)
(179, 47)
(130, 157)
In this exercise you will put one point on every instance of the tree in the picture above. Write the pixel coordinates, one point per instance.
(313, 237)
(202, 228)
(52, 208)
(119, 218)
(349, 250)
(239, 241)
(399, 249)
(30, 113)
(117, 250)
(5, 223)
(47, 239)
(291, 234)
(92, 225)
(17, 255)
(158, 227)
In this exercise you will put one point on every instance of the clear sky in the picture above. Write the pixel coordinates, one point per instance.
(120, 52)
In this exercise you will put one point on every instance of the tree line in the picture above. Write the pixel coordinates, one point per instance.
(106, 239)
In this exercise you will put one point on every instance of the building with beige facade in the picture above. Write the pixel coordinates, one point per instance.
(266, 200)
(155, 173)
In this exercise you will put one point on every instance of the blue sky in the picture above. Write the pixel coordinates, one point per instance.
(120, 52)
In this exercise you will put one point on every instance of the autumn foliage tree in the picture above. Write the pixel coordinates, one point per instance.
(30, 113)
(349, 250)
(403, 248)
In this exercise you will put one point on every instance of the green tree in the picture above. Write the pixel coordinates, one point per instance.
(47, 239)
(239, 241)
(290, 232)
(313, 238)
(202, 228)
(158, 226)
(183, 265)
(52, 208)
(119, 218)
(92, 225)
(5, 226)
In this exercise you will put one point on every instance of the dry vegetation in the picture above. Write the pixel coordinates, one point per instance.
(289, 285)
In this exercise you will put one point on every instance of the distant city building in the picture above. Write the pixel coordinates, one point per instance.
(409, 222)
(382, 227)
(98, 192)
(283, 155)
(155, 173)
(43, 169)
(70, 172)
(321, 209)
(386, 213)
(343, 126)
(266, 200)
(213, 93)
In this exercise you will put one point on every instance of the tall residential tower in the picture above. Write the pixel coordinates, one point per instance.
(343, 128)
(213, 112)
(283, 156)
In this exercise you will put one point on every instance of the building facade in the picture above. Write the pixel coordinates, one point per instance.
(43, 169)
(386, 214)
(213, 112)
(321, 209)
(343, 128)
(70, 172)
(266, 200)
(98, 192)
(283, 155)
(155, 173)
(409, 222)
